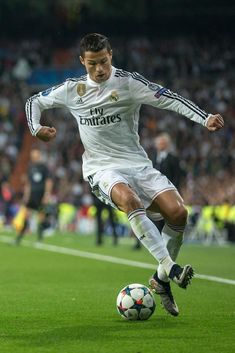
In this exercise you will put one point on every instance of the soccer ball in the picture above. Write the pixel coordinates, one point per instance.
(135, 302)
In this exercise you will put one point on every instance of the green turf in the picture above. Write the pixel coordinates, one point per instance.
(60, 303)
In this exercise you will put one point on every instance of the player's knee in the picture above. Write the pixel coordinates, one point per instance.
(132, 203)
(179, 215)
(129, 202)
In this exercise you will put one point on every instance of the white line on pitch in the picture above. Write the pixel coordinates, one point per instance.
(112, 259)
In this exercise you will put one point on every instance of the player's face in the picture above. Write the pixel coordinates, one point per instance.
(98, 64)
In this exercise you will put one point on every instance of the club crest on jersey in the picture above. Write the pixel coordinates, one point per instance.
(114, 96)
(81, 89)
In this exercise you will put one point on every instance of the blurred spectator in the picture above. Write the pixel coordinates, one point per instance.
(21, 70)
(37, 193)
(100, 224)
(6, 199)
(165, 159)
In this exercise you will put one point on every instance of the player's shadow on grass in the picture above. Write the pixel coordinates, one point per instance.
(114, 331)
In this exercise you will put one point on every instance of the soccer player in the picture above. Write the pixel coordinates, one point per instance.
(37, 191)
(106, 103)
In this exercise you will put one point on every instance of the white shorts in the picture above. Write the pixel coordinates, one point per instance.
(147, 182)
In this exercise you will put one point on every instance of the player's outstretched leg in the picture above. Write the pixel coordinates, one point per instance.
(164, 290)
(181, 275)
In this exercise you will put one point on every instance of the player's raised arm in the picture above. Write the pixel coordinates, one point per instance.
(53, 97)
(146, 92)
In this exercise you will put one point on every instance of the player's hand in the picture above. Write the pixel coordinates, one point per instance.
(46, 133)
(215, 122)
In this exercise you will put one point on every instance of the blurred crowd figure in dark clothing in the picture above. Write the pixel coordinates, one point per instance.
(230, 227)
(6, 200)
(100, 225)
(166, 160)
(37, 193)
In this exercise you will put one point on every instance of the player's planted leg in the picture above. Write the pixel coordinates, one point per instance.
(160, 282)
(164, 290)
(173, 237)
(172, 234)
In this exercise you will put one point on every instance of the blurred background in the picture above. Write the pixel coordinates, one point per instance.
(185, 45)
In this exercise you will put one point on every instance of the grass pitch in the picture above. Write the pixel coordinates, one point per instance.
(56, 303)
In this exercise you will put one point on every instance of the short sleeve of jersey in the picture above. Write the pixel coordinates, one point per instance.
(145, 92)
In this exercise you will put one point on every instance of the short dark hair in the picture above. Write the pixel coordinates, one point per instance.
(94, 42)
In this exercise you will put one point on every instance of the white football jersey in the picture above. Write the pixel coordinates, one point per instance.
(107, 114)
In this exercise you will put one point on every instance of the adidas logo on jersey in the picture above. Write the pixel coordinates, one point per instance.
(79, 101)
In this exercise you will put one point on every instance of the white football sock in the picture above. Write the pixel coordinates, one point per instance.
(150, 237)
(173, 238)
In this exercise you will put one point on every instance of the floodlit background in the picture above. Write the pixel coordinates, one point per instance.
(184, 45)
(59, 295)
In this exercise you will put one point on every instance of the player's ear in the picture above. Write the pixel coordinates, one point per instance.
(81, 60)
(111, 53)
